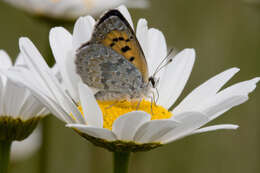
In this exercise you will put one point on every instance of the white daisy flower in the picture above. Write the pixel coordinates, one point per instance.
(19, 110)
(71, 9)
(120, 127)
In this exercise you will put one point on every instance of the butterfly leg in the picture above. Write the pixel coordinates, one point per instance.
(138, 104)
(110, 106)
(152, 100)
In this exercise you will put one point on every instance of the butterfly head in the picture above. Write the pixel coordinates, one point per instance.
(153, 82)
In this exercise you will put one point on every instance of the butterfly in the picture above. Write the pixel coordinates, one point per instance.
(113, 61)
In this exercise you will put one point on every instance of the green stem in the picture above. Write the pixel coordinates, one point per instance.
(121, 160)
(5, 147)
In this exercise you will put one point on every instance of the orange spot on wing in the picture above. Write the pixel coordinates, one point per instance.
(127, 46)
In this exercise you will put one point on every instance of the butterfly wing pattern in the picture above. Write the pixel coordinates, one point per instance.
(113, 61)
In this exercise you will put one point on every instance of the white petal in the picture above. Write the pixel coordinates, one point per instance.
(34, 60)
(73, 76)
(218, 104)
(241, 88)
(61, 44)
(152, 131)
(206, 90)
(63, 99)
(43, 112)
(175, 77)
(189, 121)
(126, 125)
(228, 98)
(92, 113)
(37, 64)
(82, 31)
(216, 127)
(13, 99)
(126, 14)
(5, 61)
(157, 49)
(142, 36)
(2, 91)
(55, 108)
(19, 60)
(31, 107)
(56, 72)
(28, 81)
(100, 133)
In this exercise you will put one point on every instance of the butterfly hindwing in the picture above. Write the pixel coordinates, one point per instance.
(102, 68)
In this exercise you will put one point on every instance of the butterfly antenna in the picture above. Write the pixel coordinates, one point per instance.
(161, 65)
(152, 104)
(157, 92)
(138, 104)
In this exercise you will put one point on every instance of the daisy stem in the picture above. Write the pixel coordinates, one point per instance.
(5, 147)
(121, 160)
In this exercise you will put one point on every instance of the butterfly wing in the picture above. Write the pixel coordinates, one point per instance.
(113, 31)
(103, 68)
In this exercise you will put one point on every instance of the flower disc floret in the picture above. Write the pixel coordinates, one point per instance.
(114, 109)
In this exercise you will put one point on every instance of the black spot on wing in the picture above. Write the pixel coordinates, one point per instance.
(121, 38)
(115, 39)
(132, 59)
(112, 44)
(125, 49)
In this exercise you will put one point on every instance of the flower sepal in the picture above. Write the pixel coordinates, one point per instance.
(119, 145)
(16, 129)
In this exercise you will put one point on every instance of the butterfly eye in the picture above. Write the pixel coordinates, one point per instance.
(151, 79)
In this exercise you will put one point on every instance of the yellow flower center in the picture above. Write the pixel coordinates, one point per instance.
(113, 110)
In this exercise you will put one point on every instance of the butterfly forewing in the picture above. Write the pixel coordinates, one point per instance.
(114, 31)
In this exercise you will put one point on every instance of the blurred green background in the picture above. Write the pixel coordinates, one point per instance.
(224, 34)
